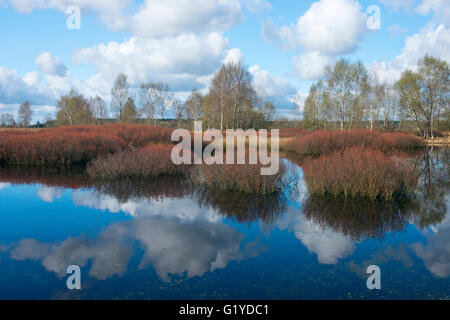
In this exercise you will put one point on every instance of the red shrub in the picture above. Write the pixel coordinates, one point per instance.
(150, 162)
(359, 172)
(323, 142)
(245, 178)
(75, 144)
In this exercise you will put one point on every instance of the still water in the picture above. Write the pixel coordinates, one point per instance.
(165, 240)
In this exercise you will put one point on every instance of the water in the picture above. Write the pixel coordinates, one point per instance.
(167, 241)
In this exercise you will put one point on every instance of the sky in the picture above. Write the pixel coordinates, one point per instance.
(285, 44)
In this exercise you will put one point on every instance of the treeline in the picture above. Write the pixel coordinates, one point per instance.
(231, 102)
(351, 97)
(24, 115)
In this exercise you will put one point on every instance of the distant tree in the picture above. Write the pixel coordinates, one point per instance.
(119, 94)
(98, 109)
(7, 120)
(268, 110)
(180, 110)
(73, 109)
(155, 98)
(148, 104)
(193, 105)
(129, 114)
(25, 113)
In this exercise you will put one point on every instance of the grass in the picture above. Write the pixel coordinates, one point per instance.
(360, 172)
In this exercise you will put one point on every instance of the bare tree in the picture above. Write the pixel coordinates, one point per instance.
(148, 105)
(119, 94)
(193, 105)
(25, 113)
(98, 109)
(7, 120)
(180, 110)
(155, 98)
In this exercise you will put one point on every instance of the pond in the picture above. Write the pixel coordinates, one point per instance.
(166, 240)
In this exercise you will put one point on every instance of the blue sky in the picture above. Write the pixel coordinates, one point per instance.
(285, 44)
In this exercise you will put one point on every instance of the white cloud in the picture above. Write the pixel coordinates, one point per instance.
(311, 65)
(111, 12)
(153, 18)
(32, 78)
(160, 18)
(4, 185)
(233, 56)
(436, 252)
(50, 65)
(440, 8)
(269, 86)
(179, 61)
(329, 26)
(434, 40)
(14, 90)
(49, 194)
(328, 245)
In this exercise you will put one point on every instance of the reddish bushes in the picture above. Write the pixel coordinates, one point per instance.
(245, 178)
(149, 162)
(75, 144)
(324, 142)
(359, 172)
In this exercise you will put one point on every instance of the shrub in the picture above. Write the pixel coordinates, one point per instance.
(150, 162)
(324, 142)
(359, 172)
(245, 178)
(75, 144)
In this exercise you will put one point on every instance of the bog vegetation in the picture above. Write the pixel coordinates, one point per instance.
(360, 172)
(363, 114)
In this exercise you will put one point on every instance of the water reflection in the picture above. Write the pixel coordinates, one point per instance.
(183, 231)
(171, 246)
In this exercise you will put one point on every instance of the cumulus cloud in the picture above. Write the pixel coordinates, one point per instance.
(178, 60)
(436, 252)
(328, 245)
(169, 245)
(329, 26)
(50, 65)
(311, 65)
(14, 90)
(434, 40)
(160, 18)
(327, 29)
(153, 18)
(112, 12)
(269, 86)
(439, 8)
(49, 194)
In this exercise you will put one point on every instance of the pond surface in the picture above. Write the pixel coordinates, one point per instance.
(165, 241)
